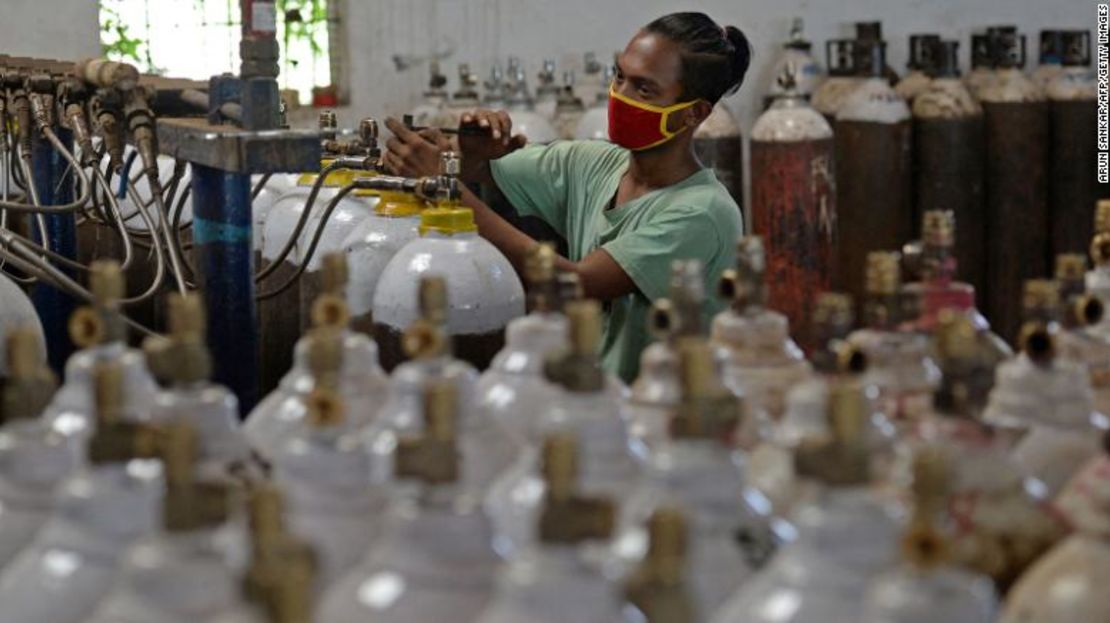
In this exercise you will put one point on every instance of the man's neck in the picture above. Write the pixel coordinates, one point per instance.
(662, 167)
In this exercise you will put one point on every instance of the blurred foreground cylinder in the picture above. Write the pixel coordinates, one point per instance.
(1016, 118)
(873, 172)
(949, 160)
(794, 202)
(1073, 184)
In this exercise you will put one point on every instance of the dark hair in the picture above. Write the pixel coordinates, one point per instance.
(714, 59)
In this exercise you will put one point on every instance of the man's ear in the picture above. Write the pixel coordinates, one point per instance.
(700, 111)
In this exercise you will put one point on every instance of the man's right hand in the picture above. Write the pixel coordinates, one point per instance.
(491, 145)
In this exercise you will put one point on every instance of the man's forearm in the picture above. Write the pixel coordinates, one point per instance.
(513, 243)
(475, 170)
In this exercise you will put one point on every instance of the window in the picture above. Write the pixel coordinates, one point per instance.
(199, 38)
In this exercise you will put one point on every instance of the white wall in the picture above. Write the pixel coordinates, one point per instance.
(481, 31)
(59, 29)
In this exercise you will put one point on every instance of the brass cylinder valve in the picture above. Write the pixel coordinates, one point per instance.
(1038, 342)
(325, 357)
(707, 409)
(569, 288)
(540, 275)
(658, 588)
(883, 281)
(1041, 300)
(746, 286)
(577, 367)
(687, 295)
(432, 456)
(100, 322)
(279, 561)
(427, 337)
(924, 545)
(330, 308)
(568, 517)
(30, 384)
(117, 440)
(1102, 216)
(189, 504)
(938, 229)
(833, 319)
(841, 459)
(183, 357)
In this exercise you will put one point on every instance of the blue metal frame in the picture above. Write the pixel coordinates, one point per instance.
(54, 182)
(223, 256)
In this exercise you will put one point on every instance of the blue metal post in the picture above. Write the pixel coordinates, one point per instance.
(223, 254)
(54, 183)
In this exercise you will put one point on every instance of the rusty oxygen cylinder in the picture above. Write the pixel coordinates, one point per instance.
(922, 65)
(1015, 115)
(840, 58)
(949, 160)
(794, 201)
(873, 171)
(1072, 176)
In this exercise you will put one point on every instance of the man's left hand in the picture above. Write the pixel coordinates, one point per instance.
(413, 154)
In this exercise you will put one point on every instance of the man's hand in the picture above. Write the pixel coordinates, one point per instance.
(413, 154)
(491, 145)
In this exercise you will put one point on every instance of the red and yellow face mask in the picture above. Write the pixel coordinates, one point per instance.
(637, 126)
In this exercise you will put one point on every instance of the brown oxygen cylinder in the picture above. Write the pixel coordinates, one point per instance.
(873, 173)
(794, 201)
(719, 145)
(1072, 172)
(840, 58)
(949, 160)
(1016, 120)
(922, 66)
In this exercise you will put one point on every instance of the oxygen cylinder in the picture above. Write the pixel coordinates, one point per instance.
(594, 125)
(279, 316)
(982, 64)
(483, 290)
(547, 93)
(16, 311)
(464, 99)
(1016, 119)
(522, 108)
(922, 66)
(1053, 49)
(568, 108)
(840, 57)
(720, 146)
(1073, 184)
(874, 175)
(949, 161)
(808, 72)
(429, 111)
(794, 201)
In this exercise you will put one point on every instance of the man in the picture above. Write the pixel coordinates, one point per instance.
(627, 209)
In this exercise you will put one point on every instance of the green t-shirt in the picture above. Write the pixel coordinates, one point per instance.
(569, 184)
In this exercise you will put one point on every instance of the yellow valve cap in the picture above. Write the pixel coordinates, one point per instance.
(447, 221)
(394, 203)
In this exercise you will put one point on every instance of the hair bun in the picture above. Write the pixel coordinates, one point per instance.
(741, 50)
